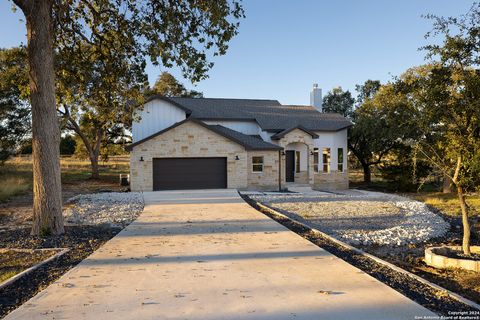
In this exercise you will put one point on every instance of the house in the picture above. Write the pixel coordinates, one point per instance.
(247, 144)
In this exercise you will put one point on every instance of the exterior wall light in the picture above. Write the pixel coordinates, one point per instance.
(141, 159)
(237, 158)
(283, 153)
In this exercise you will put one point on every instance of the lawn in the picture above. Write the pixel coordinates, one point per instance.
(430, 194)
(449, 203)
(16, 173)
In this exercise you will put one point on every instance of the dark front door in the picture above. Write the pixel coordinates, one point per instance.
(189, 173)
(290, 166)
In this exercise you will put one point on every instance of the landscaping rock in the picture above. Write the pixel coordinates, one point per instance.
(362, 217)
(112, 208)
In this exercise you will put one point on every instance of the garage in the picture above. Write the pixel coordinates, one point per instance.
(189, 173)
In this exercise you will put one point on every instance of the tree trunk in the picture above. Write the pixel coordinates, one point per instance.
(94, 153)
(465, 222)
(367, 173)
(447, 184)
(94, 164)
(47, 189)
(463, 206)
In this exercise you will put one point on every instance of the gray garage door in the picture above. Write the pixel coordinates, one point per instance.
(189, 173)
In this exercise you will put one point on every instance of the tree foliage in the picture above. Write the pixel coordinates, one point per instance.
(167, 86)
(112, 34)
(380, 127)
(14, 111)
(339, 101)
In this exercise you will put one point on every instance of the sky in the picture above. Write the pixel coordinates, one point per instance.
(283, 47)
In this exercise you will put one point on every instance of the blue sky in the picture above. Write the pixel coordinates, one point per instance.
(283, 47)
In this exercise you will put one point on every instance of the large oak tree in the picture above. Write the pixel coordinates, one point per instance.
(182, 33)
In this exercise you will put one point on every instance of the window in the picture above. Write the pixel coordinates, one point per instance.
(340, 159)
(326, 159)
(297, 161)
(257, 164)
(315, 159)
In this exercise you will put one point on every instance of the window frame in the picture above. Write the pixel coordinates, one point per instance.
(340, 163)
(326, 165)
(316, 164)
(261, 165)
(297, 162)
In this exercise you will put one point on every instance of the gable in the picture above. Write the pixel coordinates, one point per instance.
(246, 141)
(155, 116)
(187, 133)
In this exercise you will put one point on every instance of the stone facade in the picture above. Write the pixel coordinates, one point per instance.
(187, 140)
(267, 180)
(193, 140)
(331, 181)
(298, 136)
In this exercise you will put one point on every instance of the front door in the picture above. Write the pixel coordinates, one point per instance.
(290, 166)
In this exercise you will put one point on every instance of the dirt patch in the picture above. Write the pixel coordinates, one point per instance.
(82, 241)
(13, 262)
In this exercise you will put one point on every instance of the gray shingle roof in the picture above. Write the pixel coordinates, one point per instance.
(269, 114)
(249, 142)
(281, 134)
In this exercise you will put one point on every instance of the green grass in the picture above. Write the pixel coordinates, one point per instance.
(12, 186)
(13, 262)
(429, 194)
(449, 203)
(16, 174)
(8, 274)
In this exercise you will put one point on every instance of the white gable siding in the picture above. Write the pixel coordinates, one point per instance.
(155, 116)
(245, 127)
(332, 140)
(266, 136)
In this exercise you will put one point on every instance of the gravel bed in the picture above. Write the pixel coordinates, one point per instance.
(361, 217)
(432, 299)
(82, 241)
(111, 208)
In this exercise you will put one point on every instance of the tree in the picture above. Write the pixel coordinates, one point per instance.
(95, 84)
(367, 90)
(167, 86)
(445, 96)
(447, 113)
(379, 127)
(67, 145)
(14, 111)
(179, 32)
(339, 101)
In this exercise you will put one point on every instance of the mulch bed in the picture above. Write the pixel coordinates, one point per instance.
(432, 299)
(82, 241)
(13, 262)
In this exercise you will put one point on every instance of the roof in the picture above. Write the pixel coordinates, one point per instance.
(281, 134)
(269, 114)
(249, 142)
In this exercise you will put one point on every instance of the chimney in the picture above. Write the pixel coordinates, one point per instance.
(316, 97)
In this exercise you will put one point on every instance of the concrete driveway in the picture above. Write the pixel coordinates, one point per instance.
(209, 255)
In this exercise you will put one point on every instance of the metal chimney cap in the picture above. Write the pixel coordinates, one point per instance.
(315, 85)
